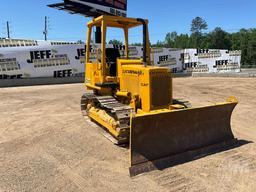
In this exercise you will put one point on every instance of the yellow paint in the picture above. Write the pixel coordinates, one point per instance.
(149, 88)
(154, 112)
(133, 78)
(123, 94)
(104, 119)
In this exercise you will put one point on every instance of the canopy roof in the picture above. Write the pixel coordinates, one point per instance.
(112, 21)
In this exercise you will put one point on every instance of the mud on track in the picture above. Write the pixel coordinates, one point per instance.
(46, 144)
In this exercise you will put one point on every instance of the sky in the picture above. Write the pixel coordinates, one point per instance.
(27, 18)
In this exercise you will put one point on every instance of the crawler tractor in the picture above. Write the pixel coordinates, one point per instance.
(133, 101)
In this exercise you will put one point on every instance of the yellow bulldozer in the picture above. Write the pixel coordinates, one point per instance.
(132, 100)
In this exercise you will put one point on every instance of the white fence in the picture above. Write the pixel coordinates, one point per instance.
(31, 59)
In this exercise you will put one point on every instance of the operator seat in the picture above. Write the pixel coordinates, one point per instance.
(112, 54)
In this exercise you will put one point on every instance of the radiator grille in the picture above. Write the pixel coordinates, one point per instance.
(160, 90)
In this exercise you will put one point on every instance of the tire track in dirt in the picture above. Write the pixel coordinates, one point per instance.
(174, 181)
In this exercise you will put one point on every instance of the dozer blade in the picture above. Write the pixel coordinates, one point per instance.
(167, 134)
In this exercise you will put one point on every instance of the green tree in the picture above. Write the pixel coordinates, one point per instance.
(115, 42)
(182, 41)
(235, 41)
(198, 25)
(219, 39)
(205, 42)
(159, 44)
(252, 46)
(170, 38)
(197, 40)
(136, 44)
(247, 43)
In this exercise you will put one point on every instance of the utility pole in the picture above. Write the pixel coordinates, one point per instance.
(45, 32)
(8, 29)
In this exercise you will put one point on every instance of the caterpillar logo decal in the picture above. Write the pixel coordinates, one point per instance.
(133, 72)
(144, 84)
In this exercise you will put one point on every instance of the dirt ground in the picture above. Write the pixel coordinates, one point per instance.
(46, 144)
